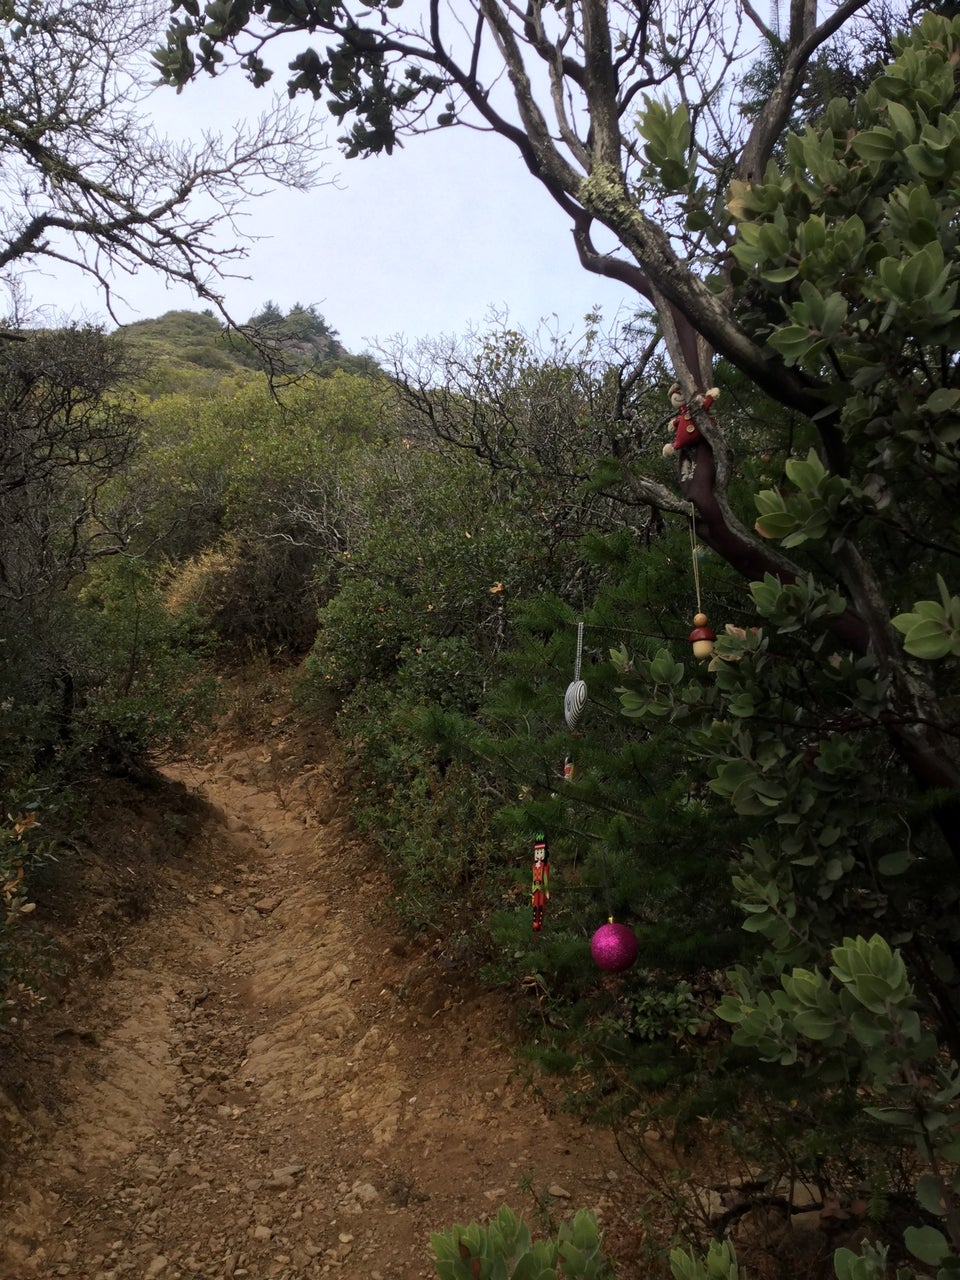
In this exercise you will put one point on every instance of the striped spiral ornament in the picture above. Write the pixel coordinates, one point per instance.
(574, 700)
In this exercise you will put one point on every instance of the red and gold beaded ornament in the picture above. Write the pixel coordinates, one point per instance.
(701, 637)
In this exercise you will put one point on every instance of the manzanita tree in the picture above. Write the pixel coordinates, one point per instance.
(846, 263)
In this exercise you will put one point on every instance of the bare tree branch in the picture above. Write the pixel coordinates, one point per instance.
(804, 41)
(84, 178)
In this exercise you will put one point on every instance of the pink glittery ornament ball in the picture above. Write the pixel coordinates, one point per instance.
(614, 947)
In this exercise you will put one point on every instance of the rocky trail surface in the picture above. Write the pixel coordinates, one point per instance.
(261, 1078)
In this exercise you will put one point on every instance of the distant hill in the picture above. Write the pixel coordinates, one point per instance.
(302, 333)
(194, 351)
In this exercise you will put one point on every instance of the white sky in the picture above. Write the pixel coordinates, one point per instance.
(421, 243)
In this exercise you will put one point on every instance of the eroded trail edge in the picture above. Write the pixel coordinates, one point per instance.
(271, 1083)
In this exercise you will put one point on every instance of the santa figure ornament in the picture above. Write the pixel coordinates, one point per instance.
(684, 427)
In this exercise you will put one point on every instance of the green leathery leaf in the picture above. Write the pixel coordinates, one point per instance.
(793, 341)
(779, 275)
(815, 1025)
(925, 638)
(943, 400)
(866, 1030)
(875, 145)
(902, 120)
(664, 669)
(778, 524)
(927, 1244)
(895, 863)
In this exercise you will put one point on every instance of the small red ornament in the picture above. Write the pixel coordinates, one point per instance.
(614, 947)
(701, 637)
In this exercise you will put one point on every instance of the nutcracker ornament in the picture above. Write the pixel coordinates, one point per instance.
(685, 429)
(540, 892)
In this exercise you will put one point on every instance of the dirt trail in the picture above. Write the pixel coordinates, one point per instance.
(269, 1084)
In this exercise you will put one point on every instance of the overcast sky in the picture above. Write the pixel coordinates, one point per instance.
(421, 243)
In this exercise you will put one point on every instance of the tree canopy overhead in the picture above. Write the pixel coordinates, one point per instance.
(567, 86)
(629, 115)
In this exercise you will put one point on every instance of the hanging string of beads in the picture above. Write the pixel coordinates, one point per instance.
(701, 637)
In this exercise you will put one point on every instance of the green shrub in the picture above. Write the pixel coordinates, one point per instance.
(426, 813)
(504, 1250)
(720, 1263)
(251, 594)
(140, 683)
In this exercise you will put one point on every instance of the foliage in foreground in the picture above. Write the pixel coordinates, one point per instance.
(24, 954)
(503, 1249)
(840, 749)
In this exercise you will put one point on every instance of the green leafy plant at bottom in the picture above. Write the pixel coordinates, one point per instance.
(720, 1261)
(503, 1249)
